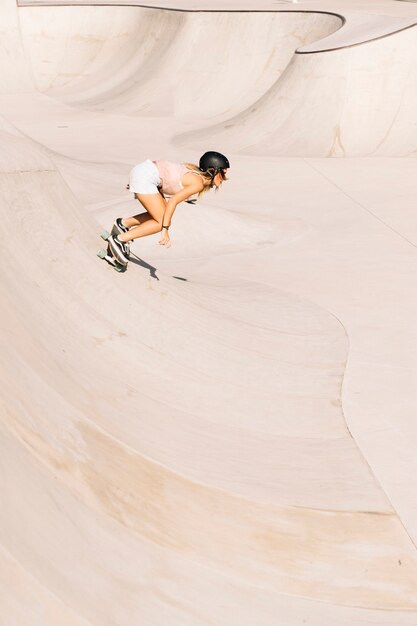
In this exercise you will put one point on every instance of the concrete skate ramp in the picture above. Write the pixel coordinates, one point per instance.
(100, 58)
(361, 101)
(228, 448)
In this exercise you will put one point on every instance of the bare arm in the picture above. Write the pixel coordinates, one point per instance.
(192, 185)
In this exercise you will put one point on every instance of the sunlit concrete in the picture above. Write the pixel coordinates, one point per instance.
(224, 434)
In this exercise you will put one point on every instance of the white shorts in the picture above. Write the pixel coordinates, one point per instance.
(144, 178)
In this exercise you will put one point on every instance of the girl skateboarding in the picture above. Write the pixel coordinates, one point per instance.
(150, 182)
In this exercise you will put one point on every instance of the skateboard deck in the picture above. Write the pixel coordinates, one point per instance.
(107, 255)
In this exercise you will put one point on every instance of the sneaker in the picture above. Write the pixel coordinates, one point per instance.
(118, 227)
(120, 249)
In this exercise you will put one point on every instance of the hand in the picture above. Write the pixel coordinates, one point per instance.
(165, 241)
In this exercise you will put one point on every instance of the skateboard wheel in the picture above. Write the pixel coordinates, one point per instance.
(101, 254)
(105, 235)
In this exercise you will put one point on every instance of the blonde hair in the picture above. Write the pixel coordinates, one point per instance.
(207, 180)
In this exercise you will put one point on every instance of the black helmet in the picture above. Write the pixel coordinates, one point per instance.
(213, 162)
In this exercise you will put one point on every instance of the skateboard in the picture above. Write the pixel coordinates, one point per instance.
(107, 255)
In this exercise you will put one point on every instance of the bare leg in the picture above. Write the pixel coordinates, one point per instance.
(150, 227)
(147, 223)
(136, 220)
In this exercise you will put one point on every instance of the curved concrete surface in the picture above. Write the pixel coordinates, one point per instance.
(225, 433)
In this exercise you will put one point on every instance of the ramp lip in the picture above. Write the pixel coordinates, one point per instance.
(353, 44)
(343, 18)
(81, 3)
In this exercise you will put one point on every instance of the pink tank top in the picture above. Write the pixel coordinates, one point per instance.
(171, 175)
